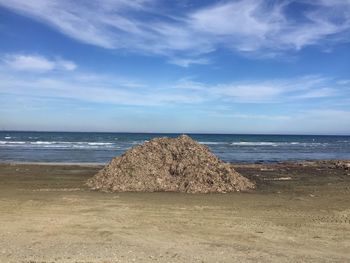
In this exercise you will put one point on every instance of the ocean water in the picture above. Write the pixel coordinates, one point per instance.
(76, 147)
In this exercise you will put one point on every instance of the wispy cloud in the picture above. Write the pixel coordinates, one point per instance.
(258, 27)
(321, 120)
(313, 121)
(104, 88)
(186, 62)
(250, 117)
(343, 82)
(253, 26)
(318, 93)
(36, 63)
(301, 104)
(89, 87)
(267, 91)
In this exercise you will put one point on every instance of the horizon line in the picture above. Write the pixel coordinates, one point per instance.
(194, 133)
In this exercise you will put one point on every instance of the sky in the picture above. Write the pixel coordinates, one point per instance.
(240, 66)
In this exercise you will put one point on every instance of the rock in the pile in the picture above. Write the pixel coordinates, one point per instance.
(169, 164)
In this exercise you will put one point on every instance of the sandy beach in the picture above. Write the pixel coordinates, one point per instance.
(174, 131)
(299, 213)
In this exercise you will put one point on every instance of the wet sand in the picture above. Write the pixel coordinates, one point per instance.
(299, 213)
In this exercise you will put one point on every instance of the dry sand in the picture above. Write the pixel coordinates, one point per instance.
(48, 215)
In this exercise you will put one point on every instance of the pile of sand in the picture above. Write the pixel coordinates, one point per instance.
(165, 164)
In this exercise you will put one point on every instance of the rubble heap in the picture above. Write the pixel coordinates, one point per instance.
(169, 164)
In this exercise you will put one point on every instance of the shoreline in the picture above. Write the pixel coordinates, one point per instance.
(92, 164)
(89, 164)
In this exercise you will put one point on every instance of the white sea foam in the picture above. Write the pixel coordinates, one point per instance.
(55, 146)
(12, 142)
(254, 143)
(58, 144)
(100, 143)
(212, 143)
(243, 143)
(88, 146)
(42, 142)
(71, 143)
(275, 144)
(8, 137)
(94, 145)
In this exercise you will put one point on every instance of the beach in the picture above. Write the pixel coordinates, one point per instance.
(299, 213)
(174, 131)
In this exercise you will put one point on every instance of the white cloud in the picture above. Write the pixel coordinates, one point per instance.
(222, 103)
(343, 82)
(266, 91)
(30, 63)
(248, 93)
(186, 62)
(36, 63)
(250, 117)
(66, 65)
(62, 81)
(318, 93)
(250, 26)
(312, 121)
(321, 121)
(242, 25)
(94, 88)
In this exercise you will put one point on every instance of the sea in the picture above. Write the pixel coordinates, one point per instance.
(90, 147)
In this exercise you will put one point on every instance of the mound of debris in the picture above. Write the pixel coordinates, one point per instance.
(345, 165)
(169, 164)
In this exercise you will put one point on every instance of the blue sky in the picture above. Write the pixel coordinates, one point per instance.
(176, 66)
